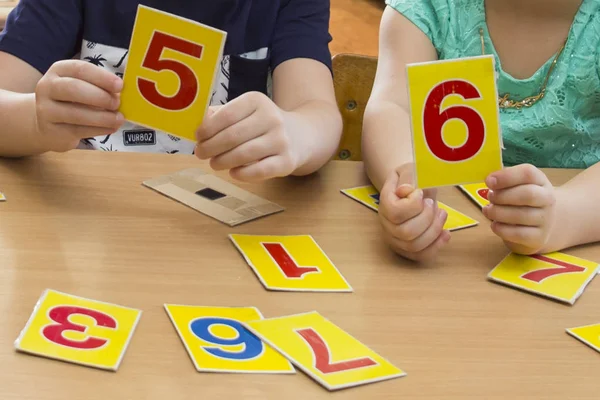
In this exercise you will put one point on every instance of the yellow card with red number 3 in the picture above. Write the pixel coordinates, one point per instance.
(557, 276)
(217, 341)
(455, 121)
(77, 330)
(589, 335)
(324, 351)
(369, 196)
(290, 263)
(171, 69)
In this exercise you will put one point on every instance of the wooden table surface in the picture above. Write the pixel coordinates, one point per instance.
(82, 223)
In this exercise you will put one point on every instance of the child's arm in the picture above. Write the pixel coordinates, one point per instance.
(257, 138)
(72, 101)
(412, 222)
(532, 216)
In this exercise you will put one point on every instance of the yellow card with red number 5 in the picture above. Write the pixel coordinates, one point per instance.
(170, 73)
(217, 341)
(557, 276)
(324, 351)
(455, 121)
(78, 330)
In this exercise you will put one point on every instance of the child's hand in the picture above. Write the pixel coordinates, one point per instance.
(76, 100)
(522, 207)
(413, 224)
(248, 137)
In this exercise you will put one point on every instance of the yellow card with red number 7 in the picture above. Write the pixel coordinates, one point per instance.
(455, 121)
(324, 351)
(171, 69)
(77, 330)
(589, 335)
(217, 341)
(557, 276)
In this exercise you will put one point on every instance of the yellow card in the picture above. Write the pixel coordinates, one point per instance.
(2, 197)
(172, 66)
(455, 121)
(369, 196)
(324, 351)
(217, 341)
(478, 192)
(290, 263)
(78, 330)
(556, 275)
(590, 335)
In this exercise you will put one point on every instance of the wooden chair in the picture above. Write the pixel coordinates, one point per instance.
(353, 80)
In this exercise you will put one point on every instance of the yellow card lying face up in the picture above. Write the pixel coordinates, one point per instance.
(557, 276)
(324, 351)
(217, 341)
(290, 263)
(369, 196)
(80, 331)
(170, 72)
(478, 192)
(455, 121)
(589, 335)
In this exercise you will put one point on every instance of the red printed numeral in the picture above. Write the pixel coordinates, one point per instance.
(434, 120)
(60, 315)
(483, 193)
(542, 274)
(286, 263)
(188, 82)
(323, 359)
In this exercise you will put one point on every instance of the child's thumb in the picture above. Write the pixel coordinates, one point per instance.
(404, 190)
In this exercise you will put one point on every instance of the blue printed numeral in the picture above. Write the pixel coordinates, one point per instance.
(253, 347)
(375, 197)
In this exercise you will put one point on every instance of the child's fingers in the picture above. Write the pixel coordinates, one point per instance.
(524, 195)
(246, 153)
(514, 176)
(431, 252)
(268, 168)
(226, 116)
(398, 211)
(430, 235)
(77, 91)
(415, 227)
(526, 216)
(525, 235)
(90, 73)
(75, 114)
(228, 139)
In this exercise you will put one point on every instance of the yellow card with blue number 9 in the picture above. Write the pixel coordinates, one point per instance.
(455, 121)
(324, 351)
(217, 341)
(557, 276)
(77, 330)
(589, 335)
(170, 72)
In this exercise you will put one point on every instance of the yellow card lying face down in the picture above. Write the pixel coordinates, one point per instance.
(369, 196)
(557, 276)
(324, 351)
(590, 335)
(290, 263)
(478, 192)
(170, 72)
(77, 330)
(217, 341)
(455, 121)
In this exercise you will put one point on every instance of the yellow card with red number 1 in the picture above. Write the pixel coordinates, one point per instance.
(217, 341)
(290, 263)
(324, 351)
(589, 335)
(369, 196)
(455, 121)
(78, 330)
(171, 69)
(557, 276)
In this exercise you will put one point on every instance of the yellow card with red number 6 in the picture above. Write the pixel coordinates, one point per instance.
(217, 341)
(589, 335)
(455, 121)
(324, 351)
(171, 68)
(369, 196)
(557, 276)
(78, 330)
(290, 263)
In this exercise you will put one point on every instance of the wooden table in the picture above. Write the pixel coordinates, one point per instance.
(82, 223)
(5, 8)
